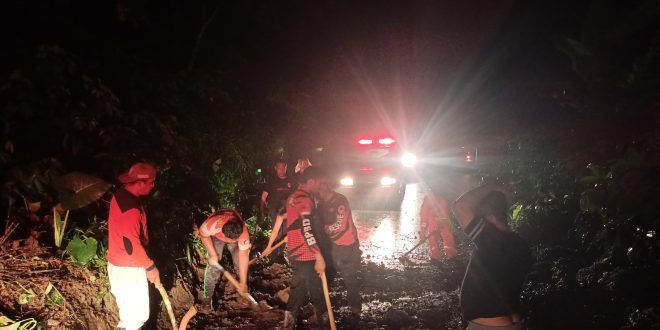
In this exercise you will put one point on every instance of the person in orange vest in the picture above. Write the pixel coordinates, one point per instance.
(435, 223)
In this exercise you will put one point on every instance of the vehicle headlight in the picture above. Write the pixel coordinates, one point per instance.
(387, 181)
(347, 181)
(408, 159)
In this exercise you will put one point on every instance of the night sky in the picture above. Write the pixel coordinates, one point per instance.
(425, 70)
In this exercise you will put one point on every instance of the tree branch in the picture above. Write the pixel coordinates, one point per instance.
(200, 35)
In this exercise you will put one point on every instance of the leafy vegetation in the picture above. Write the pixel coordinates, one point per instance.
(82, 250)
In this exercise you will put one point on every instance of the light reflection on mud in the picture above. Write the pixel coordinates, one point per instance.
(385, 235)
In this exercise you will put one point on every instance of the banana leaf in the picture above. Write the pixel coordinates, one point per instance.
(78, 190)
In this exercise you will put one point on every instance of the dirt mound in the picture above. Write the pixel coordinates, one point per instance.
(58, 294)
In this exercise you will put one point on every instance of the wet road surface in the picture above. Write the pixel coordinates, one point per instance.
(415, 295)
(385, 235)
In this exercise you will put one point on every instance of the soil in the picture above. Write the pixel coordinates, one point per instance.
(417, 295)
(78, 299)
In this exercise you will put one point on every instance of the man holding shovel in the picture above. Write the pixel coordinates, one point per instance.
(337, 224)
(224, 228)
(129, 267)
(436, 225)
(304, 253)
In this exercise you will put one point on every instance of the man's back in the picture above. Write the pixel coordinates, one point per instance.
(496, 272)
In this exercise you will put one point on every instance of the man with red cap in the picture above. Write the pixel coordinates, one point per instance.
(129, 267)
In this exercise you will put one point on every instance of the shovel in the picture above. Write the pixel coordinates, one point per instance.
(403, 259)
(268, 251)
(254, 305)
(168, 304)
(189, 315)
(331, 316)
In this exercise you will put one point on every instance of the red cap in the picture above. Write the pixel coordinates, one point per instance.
(139, 171)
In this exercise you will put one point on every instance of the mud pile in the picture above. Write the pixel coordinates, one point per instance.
(417, 296)
(59, 295)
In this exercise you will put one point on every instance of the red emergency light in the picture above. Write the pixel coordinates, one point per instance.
(365, 142)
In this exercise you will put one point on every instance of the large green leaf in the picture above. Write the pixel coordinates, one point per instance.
(82, 250)
(79, 190)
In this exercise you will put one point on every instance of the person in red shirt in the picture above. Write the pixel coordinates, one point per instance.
(435, 221)
(337, 222)
(129, 266)
(224, 228)
(303, 249)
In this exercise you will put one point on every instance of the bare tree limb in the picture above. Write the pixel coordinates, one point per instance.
(200, 35)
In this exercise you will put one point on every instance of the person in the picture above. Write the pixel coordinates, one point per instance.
(304, 252)
(337, 223)
(224, 228)
(274, 196)
(129, 266)
(302, 165)
(497, 268)
(436, 224)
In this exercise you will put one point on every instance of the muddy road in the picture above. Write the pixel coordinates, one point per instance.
(417, 295)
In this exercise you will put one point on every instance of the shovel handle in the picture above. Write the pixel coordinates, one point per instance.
(168, 304)
(331, 316)
(237, 285)
(269, 251)
(417, 245)
(186, 318)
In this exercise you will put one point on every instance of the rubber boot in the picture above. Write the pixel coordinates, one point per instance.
(206, 306)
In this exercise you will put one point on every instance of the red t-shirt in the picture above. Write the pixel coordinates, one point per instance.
(338, 220)
(301, 241)
(127, 231)
(212, 226)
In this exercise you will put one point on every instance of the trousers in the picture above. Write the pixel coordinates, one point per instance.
(441, 231)
(347, 260)
(130, 287)
(212, 274)
(305, 280)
